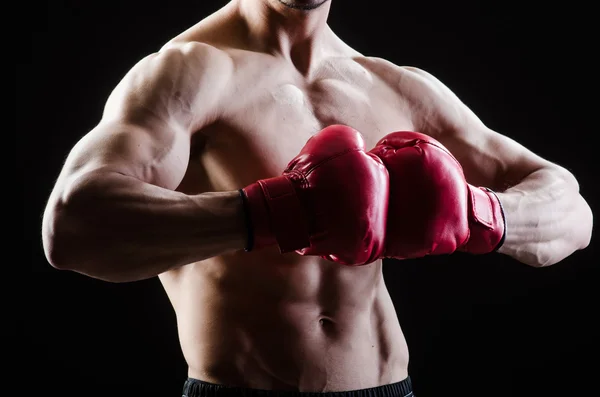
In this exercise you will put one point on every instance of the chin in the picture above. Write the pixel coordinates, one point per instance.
(305, 5)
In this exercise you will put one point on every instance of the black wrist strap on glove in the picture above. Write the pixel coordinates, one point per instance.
(249, 229)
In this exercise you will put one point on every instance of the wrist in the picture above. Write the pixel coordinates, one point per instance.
(259, 233)
(275, 215)
(501, 218)
(487, 226)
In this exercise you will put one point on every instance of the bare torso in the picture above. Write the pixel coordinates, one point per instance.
(233, 100)
(272, 321)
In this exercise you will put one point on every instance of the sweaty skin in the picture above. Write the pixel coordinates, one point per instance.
(152, 190)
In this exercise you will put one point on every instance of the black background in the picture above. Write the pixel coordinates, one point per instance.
(481, 326)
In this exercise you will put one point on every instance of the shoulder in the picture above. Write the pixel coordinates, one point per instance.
(192, 62)
(170, 80)
(434, 106)
(410, 82)
(176, 62)
(399, 76)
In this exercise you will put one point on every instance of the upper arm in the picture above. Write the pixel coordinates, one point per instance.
(488, 158)
(148, 119)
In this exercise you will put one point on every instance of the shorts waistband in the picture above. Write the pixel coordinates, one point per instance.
(198, 388)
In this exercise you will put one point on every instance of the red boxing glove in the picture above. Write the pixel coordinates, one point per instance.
(331, 201)
(432, 208)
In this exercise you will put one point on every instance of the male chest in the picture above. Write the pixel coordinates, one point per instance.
(269, 116)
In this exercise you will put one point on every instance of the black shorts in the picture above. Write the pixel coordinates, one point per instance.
(198, 388)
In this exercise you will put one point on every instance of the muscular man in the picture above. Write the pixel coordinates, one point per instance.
(170, 183)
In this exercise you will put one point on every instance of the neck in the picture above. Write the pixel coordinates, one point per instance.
(297, 34)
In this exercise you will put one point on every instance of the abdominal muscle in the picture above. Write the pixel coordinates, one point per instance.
(286, 322)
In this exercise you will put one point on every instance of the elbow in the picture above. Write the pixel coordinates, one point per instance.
(66, 247)
(66, 236)
(65, 253)
(65, 250)
(52, 255)
(579, 238)
(69, 240)
(584, 216)
(58, 254)
(54, 236)
(60, 225)
(586, 225)
(66, 242)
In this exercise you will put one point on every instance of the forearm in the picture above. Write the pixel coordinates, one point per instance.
(547, 219)
(117, 228)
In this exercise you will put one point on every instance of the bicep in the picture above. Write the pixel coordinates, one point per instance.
(148, 119)
(158, 156)
(489, 158)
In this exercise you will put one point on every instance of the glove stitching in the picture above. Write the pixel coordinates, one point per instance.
(444, 149)
(325, 161)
